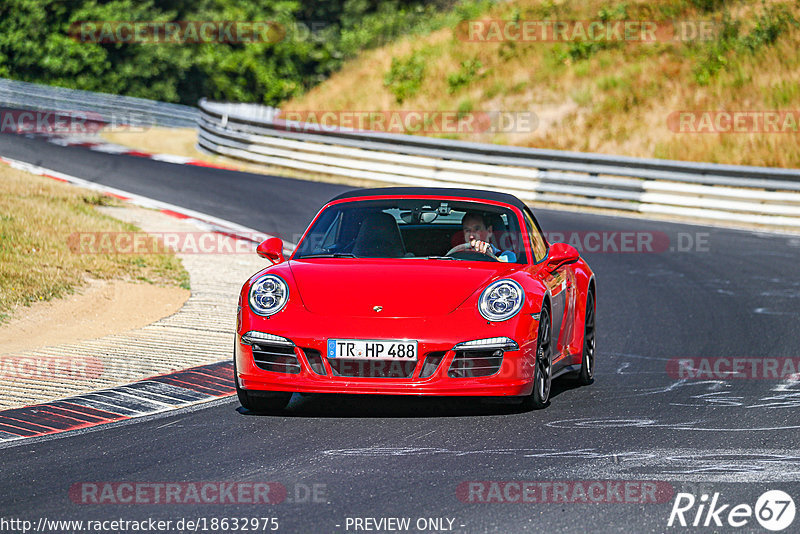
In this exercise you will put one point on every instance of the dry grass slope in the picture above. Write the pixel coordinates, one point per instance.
(611, 98)
(37, 218)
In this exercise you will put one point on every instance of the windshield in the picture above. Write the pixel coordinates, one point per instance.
(430, 229)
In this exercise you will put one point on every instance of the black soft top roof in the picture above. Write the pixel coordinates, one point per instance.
(477, 194)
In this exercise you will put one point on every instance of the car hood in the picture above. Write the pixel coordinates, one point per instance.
(402, 288)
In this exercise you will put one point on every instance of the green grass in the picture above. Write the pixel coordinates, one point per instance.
(464, 107)
(784, 93)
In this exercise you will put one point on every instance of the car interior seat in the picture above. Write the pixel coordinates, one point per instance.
(379, 237)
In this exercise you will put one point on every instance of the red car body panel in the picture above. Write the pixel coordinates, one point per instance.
(434, 302)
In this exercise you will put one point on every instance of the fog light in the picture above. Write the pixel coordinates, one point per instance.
(254, 336)
(503, 343)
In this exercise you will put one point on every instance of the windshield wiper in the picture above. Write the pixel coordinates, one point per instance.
(439, 258)
(332, 255)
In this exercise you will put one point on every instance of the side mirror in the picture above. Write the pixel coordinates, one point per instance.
(561, 254)
(272, 249)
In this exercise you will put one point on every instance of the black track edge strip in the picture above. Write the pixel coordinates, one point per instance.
(196, 384)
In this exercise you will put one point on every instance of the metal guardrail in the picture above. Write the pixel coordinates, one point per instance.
(731, 193)
(111, 108)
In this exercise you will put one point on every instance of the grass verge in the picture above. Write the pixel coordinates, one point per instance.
(37, 217)
(158, 140)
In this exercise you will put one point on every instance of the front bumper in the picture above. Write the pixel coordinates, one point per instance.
(437, 337)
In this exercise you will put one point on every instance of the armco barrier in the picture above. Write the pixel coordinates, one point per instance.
(731, 193)
(121, 109)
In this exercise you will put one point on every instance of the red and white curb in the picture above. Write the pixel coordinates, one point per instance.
(155, 395)
(151, 396)
(112, 148)
(201, 220)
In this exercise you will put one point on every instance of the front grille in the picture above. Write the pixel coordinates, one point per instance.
(372, 368)
(475, 363)
(314, 358)
(276, 358)
(432, 361)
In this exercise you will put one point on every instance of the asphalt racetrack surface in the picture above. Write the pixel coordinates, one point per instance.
(707, 293)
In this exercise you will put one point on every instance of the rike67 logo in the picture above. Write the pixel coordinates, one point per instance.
(774, 510)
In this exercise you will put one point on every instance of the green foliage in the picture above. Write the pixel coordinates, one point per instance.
(36, 44)
(465, 107)
(769, 26)
(582, 96)
(707, 6)
(469, 71)
(405, 76)
(618, 12)
(100, 200)
(729, 42)
(580, 50)
(784, 93)
(605, 83)
(493, 90)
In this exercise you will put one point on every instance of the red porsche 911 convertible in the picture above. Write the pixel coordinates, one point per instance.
(416, 291)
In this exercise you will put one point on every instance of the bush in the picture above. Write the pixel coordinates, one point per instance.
(35, 45)
(773, 22)
(405, 76)
(469, 71)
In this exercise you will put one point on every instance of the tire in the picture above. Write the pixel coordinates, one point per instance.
(543, 368)
(263, 401)
(586, 373)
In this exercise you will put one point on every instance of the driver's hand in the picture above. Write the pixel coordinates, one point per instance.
(482, 246)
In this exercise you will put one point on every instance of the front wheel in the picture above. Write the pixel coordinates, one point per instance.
(543, 369)
(262, 401)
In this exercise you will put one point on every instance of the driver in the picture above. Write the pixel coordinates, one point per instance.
(478, 235)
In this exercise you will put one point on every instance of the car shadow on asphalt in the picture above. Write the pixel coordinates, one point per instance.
(401, 406)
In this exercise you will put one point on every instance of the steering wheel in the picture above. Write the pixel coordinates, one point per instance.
(465, 251)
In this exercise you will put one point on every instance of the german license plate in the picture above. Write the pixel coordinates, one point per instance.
(369, 349)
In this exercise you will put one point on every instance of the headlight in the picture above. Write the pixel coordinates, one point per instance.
(268, 295)
(501, 300)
